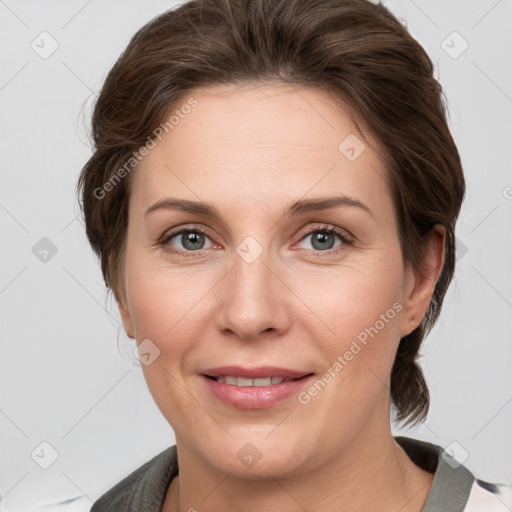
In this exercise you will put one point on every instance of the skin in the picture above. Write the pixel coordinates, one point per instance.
(251, 151)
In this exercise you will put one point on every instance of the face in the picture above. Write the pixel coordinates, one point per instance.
(318, 295)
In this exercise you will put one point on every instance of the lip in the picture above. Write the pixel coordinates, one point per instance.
(255, 397)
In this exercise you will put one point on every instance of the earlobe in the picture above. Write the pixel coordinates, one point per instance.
(419, 287)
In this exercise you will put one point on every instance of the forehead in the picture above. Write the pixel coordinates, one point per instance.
(275, 142)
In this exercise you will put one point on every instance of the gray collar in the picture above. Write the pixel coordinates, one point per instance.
(452, 481)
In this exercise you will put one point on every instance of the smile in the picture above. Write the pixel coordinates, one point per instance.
(254, 393)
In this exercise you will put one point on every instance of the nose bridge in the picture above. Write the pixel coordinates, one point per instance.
(253, 300)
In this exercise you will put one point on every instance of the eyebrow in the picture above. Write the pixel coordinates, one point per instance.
(299, 207)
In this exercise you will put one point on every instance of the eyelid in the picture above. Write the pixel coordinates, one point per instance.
(322, 226)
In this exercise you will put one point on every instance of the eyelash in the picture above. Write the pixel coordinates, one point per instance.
(344, 237)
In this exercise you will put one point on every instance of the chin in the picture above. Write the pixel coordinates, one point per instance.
(259, 457)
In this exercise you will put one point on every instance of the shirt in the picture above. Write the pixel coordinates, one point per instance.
(454, 489)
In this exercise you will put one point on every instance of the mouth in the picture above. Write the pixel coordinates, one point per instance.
(254, 388)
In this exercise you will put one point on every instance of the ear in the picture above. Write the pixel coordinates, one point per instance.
(125, 313)
(118, 286)
(418, 288)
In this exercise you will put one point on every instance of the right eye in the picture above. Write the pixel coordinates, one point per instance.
(191, 240)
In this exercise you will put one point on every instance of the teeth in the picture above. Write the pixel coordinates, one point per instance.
(244, 382)
(267, 381)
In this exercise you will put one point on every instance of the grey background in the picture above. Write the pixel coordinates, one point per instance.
(63, 379)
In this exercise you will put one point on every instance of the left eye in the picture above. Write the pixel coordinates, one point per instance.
(324, 239)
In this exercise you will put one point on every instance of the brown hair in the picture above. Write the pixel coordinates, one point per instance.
(357, 51)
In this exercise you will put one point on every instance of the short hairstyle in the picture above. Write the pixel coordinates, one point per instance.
(355, 50)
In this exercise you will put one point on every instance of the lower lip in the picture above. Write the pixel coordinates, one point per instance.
(255, 397)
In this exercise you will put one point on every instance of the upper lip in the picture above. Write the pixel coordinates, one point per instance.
(259, 372)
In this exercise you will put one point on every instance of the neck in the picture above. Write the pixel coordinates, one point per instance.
(371, 473)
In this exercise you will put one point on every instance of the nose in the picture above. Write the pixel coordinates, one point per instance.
(254, 300)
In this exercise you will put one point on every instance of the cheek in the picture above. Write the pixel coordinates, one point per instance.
(166, 305)
(352, 298)
(356, 318)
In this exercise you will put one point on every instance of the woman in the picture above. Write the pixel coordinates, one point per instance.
(273, 197)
